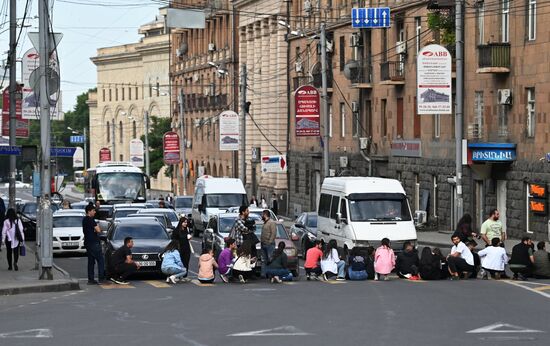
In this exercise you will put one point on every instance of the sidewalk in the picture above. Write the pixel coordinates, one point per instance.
(26, 279)
(442, 239)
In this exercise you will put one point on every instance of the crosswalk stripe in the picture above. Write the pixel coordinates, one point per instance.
(542, 288)
(157, 284)
(115, 286)
(334, 282)
(198, 283)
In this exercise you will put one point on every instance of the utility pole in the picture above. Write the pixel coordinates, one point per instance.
(13, 89)
(46, 255)
(324, 106)
(183, 142)
(147, 169)
(242, 124)
(85, 132)
(459, 105)
(113, 132)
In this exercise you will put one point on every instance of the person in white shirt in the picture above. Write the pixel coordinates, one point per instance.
(460, 260)
(493, 259)
(331, 264)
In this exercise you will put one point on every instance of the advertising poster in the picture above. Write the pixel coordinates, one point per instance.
(308, 113)
(434, 91)
(171, 148)
(229, 131)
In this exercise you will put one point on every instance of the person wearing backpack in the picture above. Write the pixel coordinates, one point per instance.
(13, 236)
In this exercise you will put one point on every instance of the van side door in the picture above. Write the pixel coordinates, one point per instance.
(324, 230)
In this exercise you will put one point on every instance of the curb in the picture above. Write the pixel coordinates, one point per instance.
(443, 245)
(70, 285)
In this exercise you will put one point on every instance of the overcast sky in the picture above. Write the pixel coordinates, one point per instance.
(85, 28)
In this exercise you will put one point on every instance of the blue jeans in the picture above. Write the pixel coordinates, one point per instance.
(283, 274)
(95, 255)
(357, 275)
(267, 251)
(177, 272)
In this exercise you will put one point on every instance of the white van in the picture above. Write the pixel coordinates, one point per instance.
(360, 211)
(215, 195)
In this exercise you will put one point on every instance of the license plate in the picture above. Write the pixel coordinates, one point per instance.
(70, 243)
(147, 263)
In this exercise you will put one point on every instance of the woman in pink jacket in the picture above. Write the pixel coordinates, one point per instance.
(384, 260)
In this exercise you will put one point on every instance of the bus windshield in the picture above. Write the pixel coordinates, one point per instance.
(120, 186)
(378, 207)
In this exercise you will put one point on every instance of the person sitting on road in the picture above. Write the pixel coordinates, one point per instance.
(172, 265)
(245, 263)
(225, 259)
(493, 260)
(542, 262)
(122, 262)
(384, 260)
(430, 265)
(277, 268)
(407, 262)
(331, 264)
(357, 265)
(370, 262)
(472, 244)
(522, 260)
(313, 259)
(460, 260)
(207, 265)
(444, 271)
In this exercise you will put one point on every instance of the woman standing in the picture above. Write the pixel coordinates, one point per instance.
(182, 235)
(277, 269)
(464, 228)
(384, 260)
(13, 236)
(172, 265)
(331, 264)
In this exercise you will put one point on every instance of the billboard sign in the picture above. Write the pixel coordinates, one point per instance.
(229, 131)
(171, 148)
(78, 158)
(308, 114)
(22, 125)
(137, 153)
(104, 155)
(274, 164)
(434, 91)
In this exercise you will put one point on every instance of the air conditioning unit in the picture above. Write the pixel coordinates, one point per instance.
(355, 106)
(343, 161)
(420, 217)
(363, 143)
(355, 40)
(401, 47)
(211, 47)
(189, 144)
(299, 66)
(504, 96)
(197, 123)
(475, 130)
(307, 6)
(330, 46)
(196, 77)
(179, 53)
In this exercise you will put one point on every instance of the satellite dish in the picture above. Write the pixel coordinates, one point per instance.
(351, 70)
(52, 81)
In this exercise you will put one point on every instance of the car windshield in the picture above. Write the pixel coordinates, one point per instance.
(183, 202)
(140, 231)
(281, 233)
(311, 221)
(124, 212)
(67, 221)
(226, 223)
(120, 186)
(225, 200)
(379, 207)
(170, 214)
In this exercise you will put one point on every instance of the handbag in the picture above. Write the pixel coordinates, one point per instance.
(22, 250)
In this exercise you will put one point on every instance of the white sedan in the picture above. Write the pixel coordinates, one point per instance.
(67, 233)
(18, 185)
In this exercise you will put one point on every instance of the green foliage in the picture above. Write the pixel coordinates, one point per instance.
(157, 128)
(443, 23)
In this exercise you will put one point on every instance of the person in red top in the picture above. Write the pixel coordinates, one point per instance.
(313, 258)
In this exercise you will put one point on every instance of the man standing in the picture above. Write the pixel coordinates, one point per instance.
(267, 238)
(239, 228)
(93, 246)
(522, 259)
(492, 228)
(460, 260)
(123, 264)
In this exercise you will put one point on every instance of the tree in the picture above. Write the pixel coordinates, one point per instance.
(158, 127)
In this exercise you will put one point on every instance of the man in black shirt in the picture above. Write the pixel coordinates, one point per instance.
(123, 264)
(93, 246)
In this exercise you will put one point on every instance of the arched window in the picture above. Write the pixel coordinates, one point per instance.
(120, 131)
(134, 129)
(108, 132)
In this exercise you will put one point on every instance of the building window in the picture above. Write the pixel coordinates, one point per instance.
(108, 131)
(308, 174)
(122, 89)
(418, 31)
(103, 94)
(531, 112)
(116, 94)
(342, 52)
(330, 120)
(383, 119)
(130, 93)
(137, 97)
(110, 95)
(120, 132)
(532, 20)
(134, 129)
(150, 90)
(480, 14)
(437, 126)
(158, 89)
(343, 119)
(505, 20)
(121, 157)
(355, 124)
(478, 114)
(434, 195)
(202, 129)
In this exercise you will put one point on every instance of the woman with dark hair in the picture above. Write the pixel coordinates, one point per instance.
(357, 265)
(384, 260)
(182, 234)
(245, 263)
(464, 228)
(430, 265)
(13, 236)
(172, 265)
(331, 264)
(444, 267)
(277, 268)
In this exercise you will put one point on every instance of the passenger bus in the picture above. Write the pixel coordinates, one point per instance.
(116, 182)
(79, 177)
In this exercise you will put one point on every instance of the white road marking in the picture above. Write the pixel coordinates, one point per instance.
(279, 331)
(518, 284)
(29, 333)
(260, 289)
(500, 327)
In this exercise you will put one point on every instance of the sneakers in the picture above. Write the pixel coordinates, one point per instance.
(277, 279)
(241, 279)
(172, 279)
(340, 279)
(454, 278)
(308, 277)
(325, 278)
(414, 278)
(224, 278)
(119, 281)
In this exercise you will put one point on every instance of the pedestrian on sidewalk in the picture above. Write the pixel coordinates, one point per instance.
(245, 263)
(207, 265)
(122, 262)
(277, 268)
(384, 260)
(274, 204)
(13, 236)
(253, 202)
(493, 260)
(461, 260)
(492, 228)
(542, 262)
(522, 259)
(357, 265)
(225, 259)
(267, 239)
(407, 262)
(464, 228)
(312, 261)
(183, 234)
(172, 265)
(430, 265)
(332, 264)
(93, 246)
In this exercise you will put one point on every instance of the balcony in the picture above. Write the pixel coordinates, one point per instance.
(361, 77)
(392, 73)
(494, 58)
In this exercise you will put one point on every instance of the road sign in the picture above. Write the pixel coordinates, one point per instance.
(77, 139)
(104, 155)
(22, 125)
(377, 17)
(10, 150)
(274, 164)
(62, 152)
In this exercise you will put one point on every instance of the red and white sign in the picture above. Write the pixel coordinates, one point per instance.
(274, 164)
(307, 105)
(171, 148)
(104, 155)
(22, 125)
(434, 91)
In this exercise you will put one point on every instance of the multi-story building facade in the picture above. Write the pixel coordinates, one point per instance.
(132, 79)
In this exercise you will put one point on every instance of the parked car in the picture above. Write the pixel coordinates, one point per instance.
(70, 212)
(18, 185)
(305, 230)
(290, 249)
(27, 212)
(155, 203)
(79, 205)
(256, 211)
(184, 205)
(67, 232)
(162, 218)
(170, 214)
(150, 239)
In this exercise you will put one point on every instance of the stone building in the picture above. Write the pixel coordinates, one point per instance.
(131, 79)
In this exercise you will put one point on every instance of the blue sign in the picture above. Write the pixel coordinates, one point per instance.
(10, 150)
(77, 139)
(547, 157)
(62, 152)
(493, 152)
(378, 17)
(36, 184)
